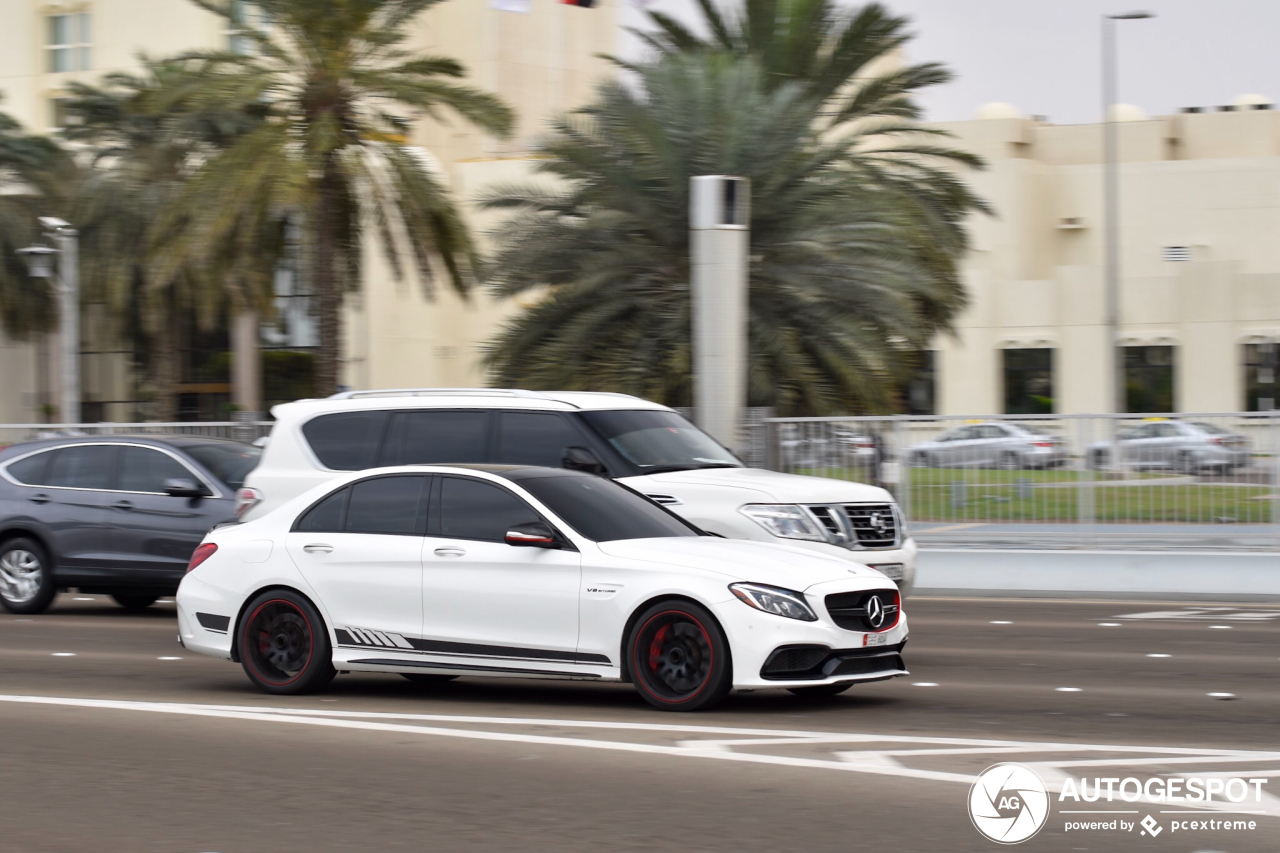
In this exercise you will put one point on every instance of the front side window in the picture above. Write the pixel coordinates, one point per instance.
(81, 467)
(604, 511)
(656, 441)
(473, 509)
(1148, 379)
(437, 436)
(67, 42)
(145, 470)
(1028, 381)
(534, 438)
(347, 441)
(387, 505)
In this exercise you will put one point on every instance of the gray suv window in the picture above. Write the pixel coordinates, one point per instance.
(145, 470)
(81, 467)
(31, 470)
(436, 436)
(347, 441)
(534, 438)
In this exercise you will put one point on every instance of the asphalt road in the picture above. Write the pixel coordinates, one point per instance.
(117, 739)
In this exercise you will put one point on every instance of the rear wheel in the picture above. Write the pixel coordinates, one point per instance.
(820, 691)
(1097, 460)
(26, 577)
(135, 602)
(679, 658)
(427, 678)
(1187, 463)
(284, 645)
(1010, 461)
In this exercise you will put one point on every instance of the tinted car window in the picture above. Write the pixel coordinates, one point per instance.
(346, 442)
(81, 467)
(660, 441)
(30, 470)
(142, 469)
(604, 511)
(993, 431)
(386, 505)
(534, 438)
(328, 516)
(471, 509)
(230, 463)
(436, 436)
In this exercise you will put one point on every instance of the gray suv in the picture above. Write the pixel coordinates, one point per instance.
(119, 516)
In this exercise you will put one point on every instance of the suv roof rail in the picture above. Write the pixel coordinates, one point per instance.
(447, 392)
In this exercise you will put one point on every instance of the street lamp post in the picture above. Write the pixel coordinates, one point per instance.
(1111, 202)
(66, 284)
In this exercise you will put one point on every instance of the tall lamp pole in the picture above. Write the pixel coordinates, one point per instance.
(1111, 202)
(66, 284)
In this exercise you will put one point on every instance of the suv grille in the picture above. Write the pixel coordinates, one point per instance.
(873, 610)
(874, 525)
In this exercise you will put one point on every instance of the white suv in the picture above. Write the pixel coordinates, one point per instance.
(641, 444)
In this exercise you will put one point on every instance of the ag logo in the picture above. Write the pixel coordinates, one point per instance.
(1008, 803)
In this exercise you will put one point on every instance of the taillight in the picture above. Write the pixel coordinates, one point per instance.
(202, 553)
(1044, 444)
(246, 499)
(1217, 441)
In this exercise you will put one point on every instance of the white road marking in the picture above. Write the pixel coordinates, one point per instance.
(1221, 695)
(1068, 689)
(82, 598)
(702, 742)
(1221, 627)
(1159, 656)
(924, 684)
(64, 654)
(1108, 624)
(1231, 614)
(1001, 622)
(168, 658)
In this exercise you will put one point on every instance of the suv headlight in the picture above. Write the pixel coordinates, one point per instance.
(775, 600)
(786, 521)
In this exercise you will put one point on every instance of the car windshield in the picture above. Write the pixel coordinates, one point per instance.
(604, 511)
(660, 441)
(230, 463)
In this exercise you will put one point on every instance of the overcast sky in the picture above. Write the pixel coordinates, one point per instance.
(1042, 56)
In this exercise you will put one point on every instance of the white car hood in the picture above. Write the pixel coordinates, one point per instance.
(772, 485)
(741, 560)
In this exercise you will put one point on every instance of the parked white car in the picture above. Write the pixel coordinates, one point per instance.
(644, 445)
(434, 572)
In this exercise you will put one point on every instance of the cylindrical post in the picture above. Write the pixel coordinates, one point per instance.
(719, 237)
(69, 323)
(1111, 204)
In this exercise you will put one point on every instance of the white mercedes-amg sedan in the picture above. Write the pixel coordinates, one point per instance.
(435, 572)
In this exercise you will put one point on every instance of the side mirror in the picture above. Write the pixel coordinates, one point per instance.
(581, 459)
(533, 534)
(183, 488)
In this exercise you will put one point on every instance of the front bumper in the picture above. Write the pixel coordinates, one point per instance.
(904, 555)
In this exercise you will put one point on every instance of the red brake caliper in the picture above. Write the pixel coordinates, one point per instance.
(655, 648)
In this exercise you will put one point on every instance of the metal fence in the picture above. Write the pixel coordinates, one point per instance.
(237, 430)
(1149, 482)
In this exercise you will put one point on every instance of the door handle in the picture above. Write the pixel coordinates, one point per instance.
(123, 505)
(318, 548)
(39, 499)
(450, 552)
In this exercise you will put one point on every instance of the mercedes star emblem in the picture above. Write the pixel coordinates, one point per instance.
(875, 611)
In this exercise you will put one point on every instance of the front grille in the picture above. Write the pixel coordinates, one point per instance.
(874, 525)
(809, 663)
(855, 611)
(826, 517)
(866, 666)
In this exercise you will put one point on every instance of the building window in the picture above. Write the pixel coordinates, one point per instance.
(920, 391)
(67, 43)
(1028, 381)
(58, 113)
(1148, 379)
(245, 17)
(1261, 377)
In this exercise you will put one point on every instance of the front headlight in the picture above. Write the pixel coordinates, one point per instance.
(786, 521)
(902, 523)
(775, 600)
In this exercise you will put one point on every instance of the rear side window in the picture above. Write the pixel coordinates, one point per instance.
(81, 467)
(534, 438)
(328, 516)
(437, 436)
(387, 505)
(348, 441)
(472, 509)
(30, 471)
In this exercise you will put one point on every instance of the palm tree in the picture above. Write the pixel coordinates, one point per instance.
(334, 80)
(145, 146)
(839, 288)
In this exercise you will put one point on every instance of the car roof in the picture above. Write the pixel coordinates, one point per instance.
(472, 398)
(508, 472)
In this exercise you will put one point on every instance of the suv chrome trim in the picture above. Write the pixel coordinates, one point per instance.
(837, 528)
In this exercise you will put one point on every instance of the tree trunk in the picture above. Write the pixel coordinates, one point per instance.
(166, 369)
(246, 363)
(325, 235)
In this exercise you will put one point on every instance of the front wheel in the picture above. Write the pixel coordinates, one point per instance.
(284, 645)
(820, 691)
(26, 577)
(679, 657)
(1010, 462)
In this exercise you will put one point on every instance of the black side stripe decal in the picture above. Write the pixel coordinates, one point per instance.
(474, 668)
(381, 639)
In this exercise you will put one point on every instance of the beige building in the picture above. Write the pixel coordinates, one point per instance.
(540, 56)
(1200, 265)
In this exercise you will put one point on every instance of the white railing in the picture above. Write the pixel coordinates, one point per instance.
(238, 430)
(1150, 482)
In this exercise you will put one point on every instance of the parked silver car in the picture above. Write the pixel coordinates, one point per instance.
(1187, 446)
(991, 445)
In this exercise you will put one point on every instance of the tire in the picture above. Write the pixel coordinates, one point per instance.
(135, 602)
(1009, 462)
(26, 577)
(820, 691)
(679, 658)
(1187, 464)
(1097, 460)
(284, 644)
(427, 678)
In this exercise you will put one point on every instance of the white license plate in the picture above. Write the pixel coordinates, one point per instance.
(874, 639)
(893, 571)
